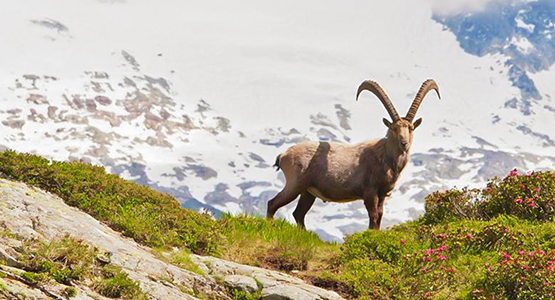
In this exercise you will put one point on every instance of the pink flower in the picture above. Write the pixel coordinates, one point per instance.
(506, 256)
(428, 251)
(443, 248)
(469, 236)
(403, 241)
(536, 195)
(504, 262)
(540, 252)
(532, 204)
(536, 189)
(513, 173)
(442, 257)
(522, 187)
(525, 267)
(518, 201)
(520, 252)
(451, 270)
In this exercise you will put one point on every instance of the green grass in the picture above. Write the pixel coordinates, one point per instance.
(67, 260)
(276, 244)
(491, 243)
(116, 284)
(150, 218)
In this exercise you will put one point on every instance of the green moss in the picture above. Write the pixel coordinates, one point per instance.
(237, 294)
(33, 277)
(242, 295)
(70, 292)
(3, 286)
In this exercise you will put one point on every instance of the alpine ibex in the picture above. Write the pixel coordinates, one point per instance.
(337, 172)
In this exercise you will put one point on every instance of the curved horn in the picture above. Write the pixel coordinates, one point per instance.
(375, 88)
(427, 86)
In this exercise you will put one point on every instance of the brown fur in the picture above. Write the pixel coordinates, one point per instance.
(337, 172)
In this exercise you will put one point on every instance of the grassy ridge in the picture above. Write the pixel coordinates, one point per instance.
(493, 243)
(150, 218)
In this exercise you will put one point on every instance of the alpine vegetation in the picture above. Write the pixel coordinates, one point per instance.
(336, 172)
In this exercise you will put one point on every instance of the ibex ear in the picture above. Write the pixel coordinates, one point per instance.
(417, 123)
(386, 122)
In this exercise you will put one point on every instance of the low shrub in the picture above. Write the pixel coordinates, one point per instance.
(450, 205)
(518, 275)
(529, 196)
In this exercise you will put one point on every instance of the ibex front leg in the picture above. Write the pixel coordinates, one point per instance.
(381, 201)
(371, 201)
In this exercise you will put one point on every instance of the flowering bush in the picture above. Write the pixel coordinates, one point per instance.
(430, 271)
(449, 205)
(477, 237)
(520, 275)
(530, 196)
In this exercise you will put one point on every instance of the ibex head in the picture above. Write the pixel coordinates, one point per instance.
(400, 129)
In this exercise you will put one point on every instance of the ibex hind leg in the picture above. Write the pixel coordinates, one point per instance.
(305, 203)
(286, 196)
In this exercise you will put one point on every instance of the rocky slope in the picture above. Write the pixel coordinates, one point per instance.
(29, 213)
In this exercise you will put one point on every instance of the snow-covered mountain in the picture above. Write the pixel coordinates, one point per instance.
(197, 98)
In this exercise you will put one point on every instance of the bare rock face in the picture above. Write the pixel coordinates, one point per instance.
(29, 212)
(272, 285)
